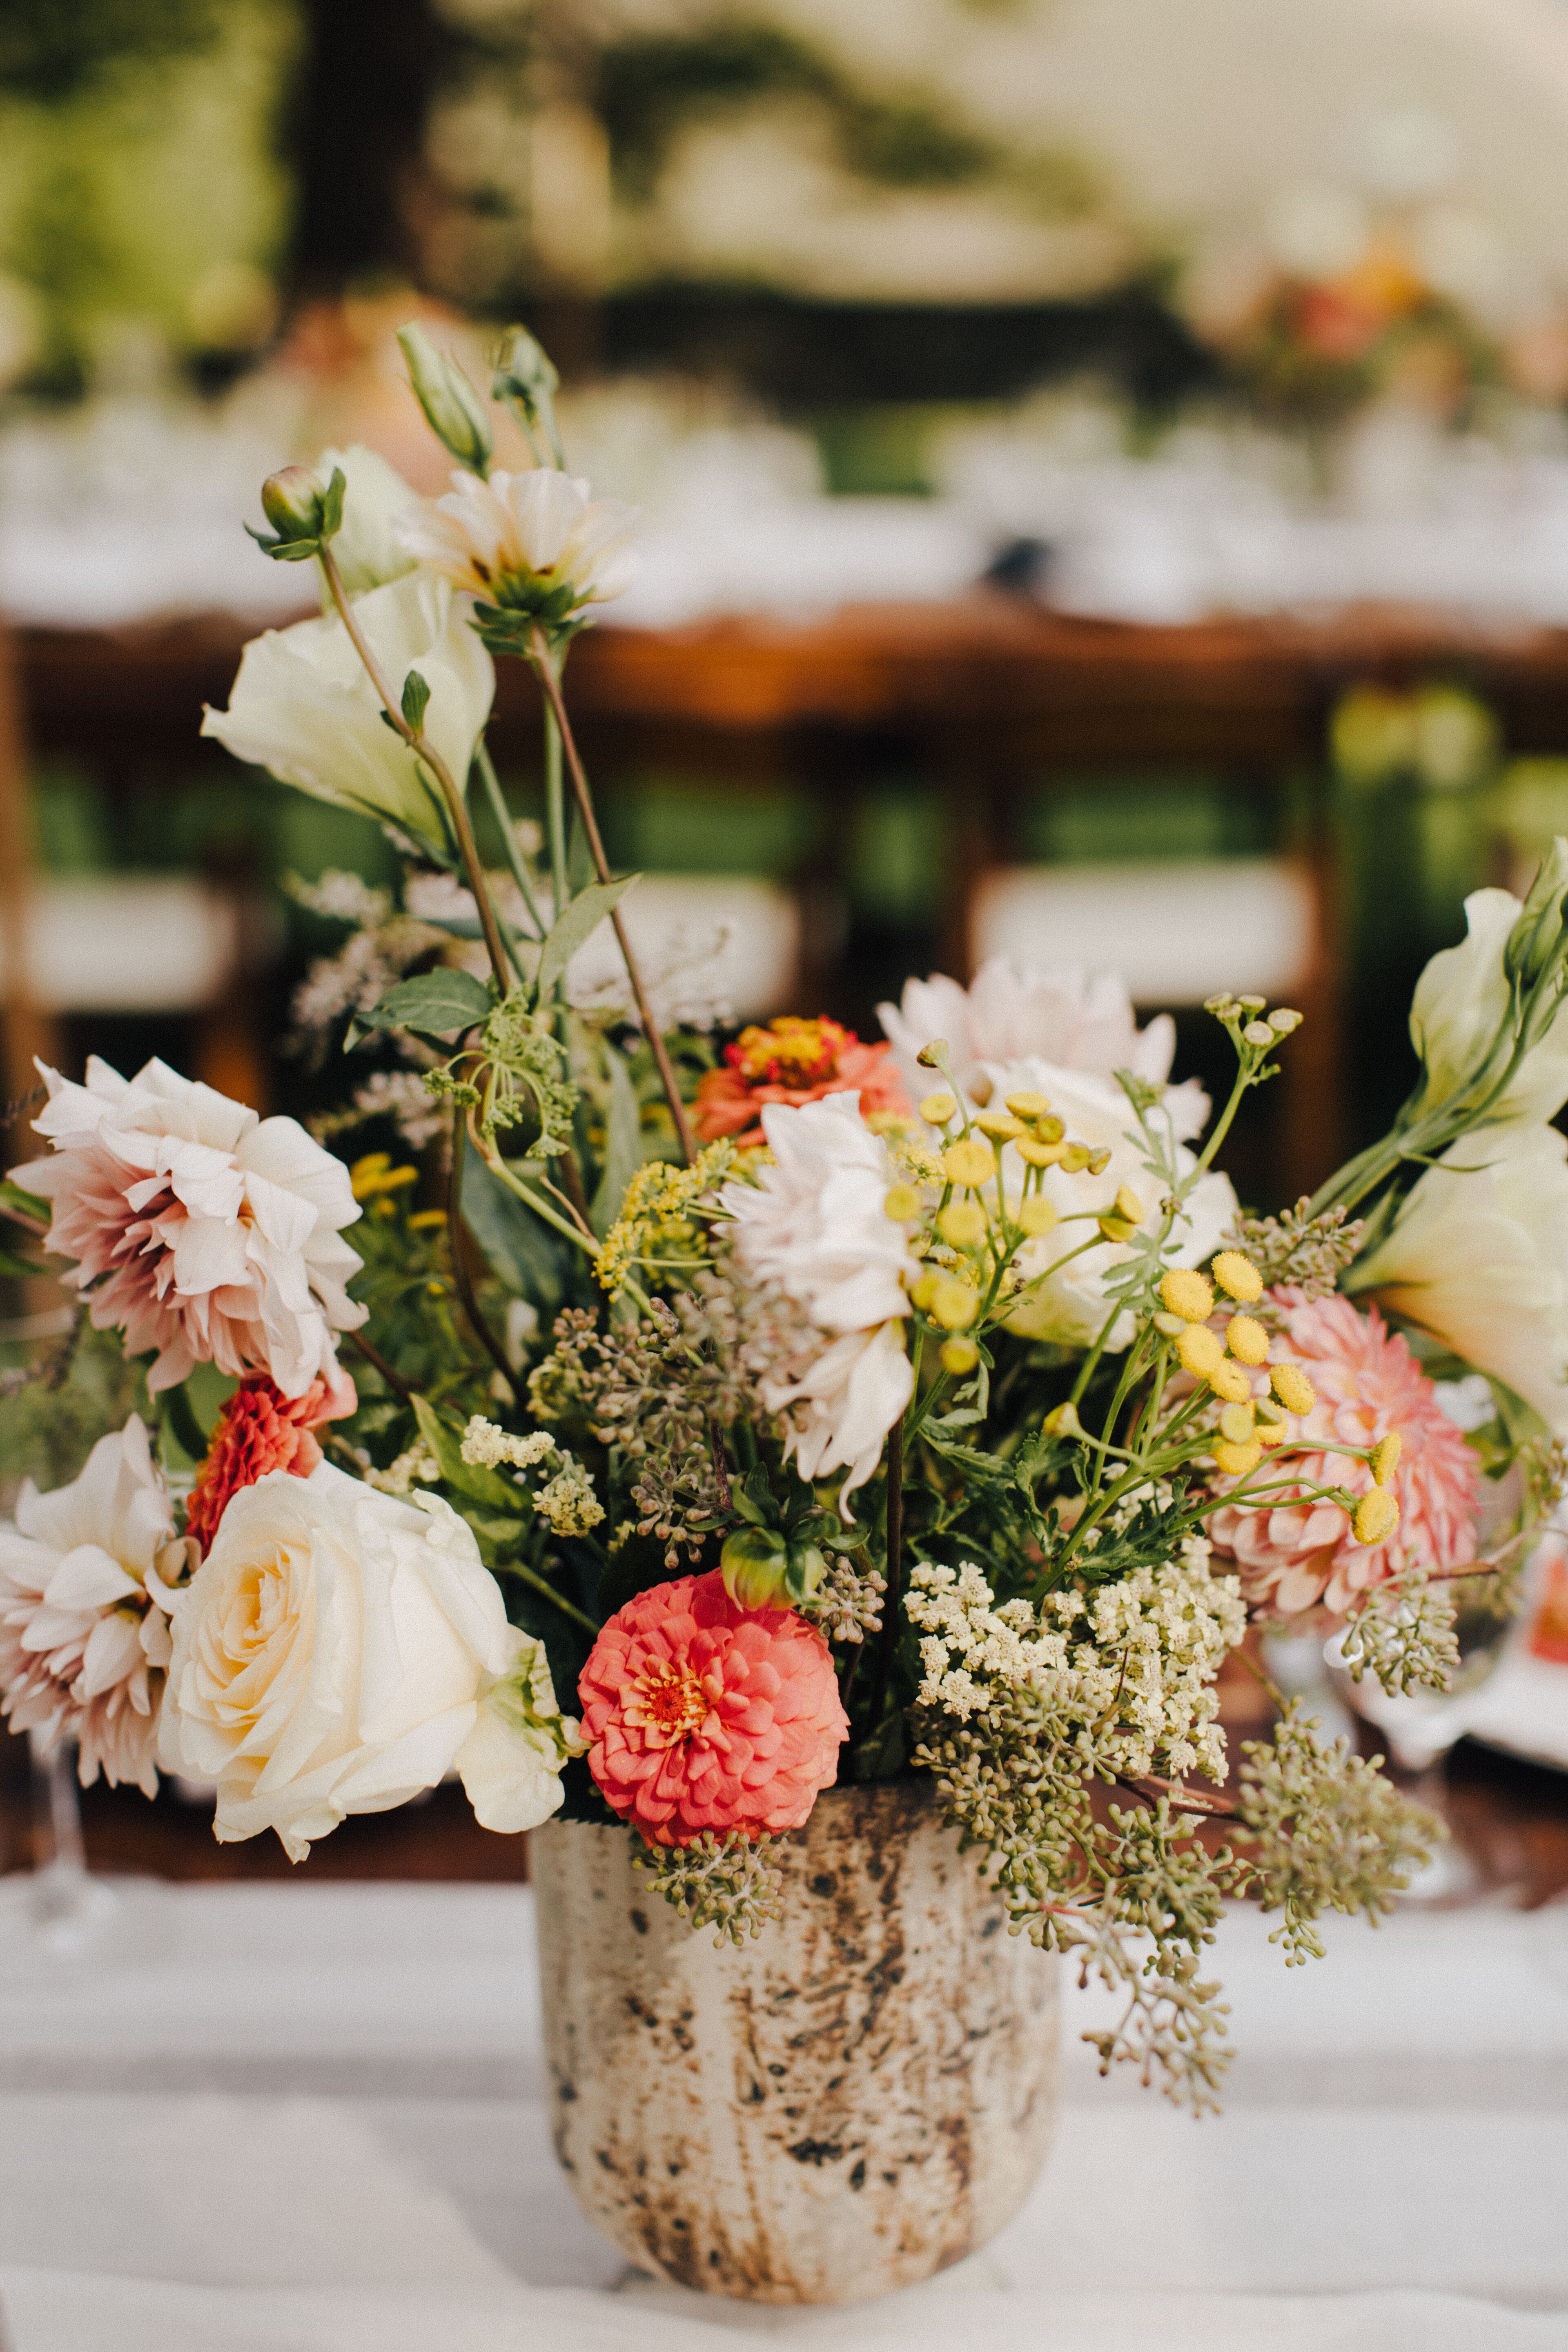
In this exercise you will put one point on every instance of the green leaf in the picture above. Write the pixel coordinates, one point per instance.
(582, 918)
(522, 1253)
(332, 506)
(416, 699)
(18, 1269)
(434, 1004)
(623, 1146)
(489, 1488)
(23, 1204)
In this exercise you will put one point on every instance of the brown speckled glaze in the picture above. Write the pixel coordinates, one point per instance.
(853, 2100)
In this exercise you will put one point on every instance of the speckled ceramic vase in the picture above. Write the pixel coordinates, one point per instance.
(855, 2098)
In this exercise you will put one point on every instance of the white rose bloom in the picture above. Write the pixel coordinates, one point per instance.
(197, 1228)
(1478, 1257)
(1460, 1002)
(365, 551)
(83, 1636)
(338, 1651)
(816, 1222)
(303, 706)
(1071, 1019)
(1071, 1308)
(522, 541)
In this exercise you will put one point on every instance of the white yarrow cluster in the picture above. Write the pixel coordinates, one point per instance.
(1145, 1650)
(967, 1642)
(566, 1501)
(486, 1445)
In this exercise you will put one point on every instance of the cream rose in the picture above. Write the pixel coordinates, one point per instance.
(338, 1651)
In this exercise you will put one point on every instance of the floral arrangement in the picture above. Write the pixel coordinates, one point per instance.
(686, 1430)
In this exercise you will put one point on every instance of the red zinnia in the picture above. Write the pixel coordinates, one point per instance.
(705, 1715)
(260, 1429)
(794, 1061)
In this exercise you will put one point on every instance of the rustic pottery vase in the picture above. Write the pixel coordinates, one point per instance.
(854, 2099)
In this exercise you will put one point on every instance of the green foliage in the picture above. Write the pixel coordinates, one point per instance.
(731, 1884)
(52, 1416)
(50, 52)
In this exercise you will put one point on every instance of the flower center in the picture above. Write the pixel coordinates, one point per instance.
(674, 1700)
(789, 1052)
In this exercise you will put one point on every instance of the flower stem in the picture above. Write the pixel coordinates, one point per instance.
(895, 1547)
(423, 750)
(543, 1584)
(544, 665)
(514, 858)
(460, 1274)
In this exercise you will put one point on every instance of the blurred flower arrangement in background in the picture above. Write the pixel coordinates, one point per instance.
(686, 1430)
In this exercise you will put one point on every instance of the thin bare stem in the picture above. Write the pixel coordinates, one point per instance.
(502, 815)
(551, 684)
(460, 1275)
(393, 1378)
(895, 1549)
(422, 748)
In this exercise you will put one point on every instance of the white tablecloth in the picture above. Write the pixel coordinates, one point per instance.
(308, 2118)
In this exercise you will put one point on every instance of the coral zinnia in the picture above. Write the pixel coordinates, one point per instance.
(260, 1429)
(794, 1061)
(1295, 1553)
(705, 1715)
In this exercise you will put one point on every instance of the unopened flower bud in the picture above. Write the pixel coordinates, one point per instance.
(1252, 1003)
(902, 1202)
(1282, 1020)
(1538, 933)
(1376, 1517)
(293, 501)
(1028, 1105)
(1258, 1033)
(754, 1563)
(1238, 1275)
(931, 1057)
(1099, 1162)
(526, 380)
(959, 1356)
(1063, 1422)
(452, 409)
(1041, 1155)
(999, 1123)
(924, 1289)
(954, 1304)
(937, 1109)
(1075, 1159)
(1128, 1205)
(1236, 1424)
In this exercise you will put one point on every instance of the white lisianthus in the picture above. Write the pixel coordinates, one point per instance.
(303, 707)
(538, 543)
(338, 1651)
(816, 1222)
(83, 1633)
(1071, 1019)
(1478, 1257)
(1070, 1308)
(196, 1228)
(1462, 1000)
(365, 550)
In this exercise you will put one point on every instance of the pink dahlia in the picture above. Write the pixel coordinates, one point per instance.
(1294, 1553)
(198, 1229)
(701, 1714)
(258, 1430)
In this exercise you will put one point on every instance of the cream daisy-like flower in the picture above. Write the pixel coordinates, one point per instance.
(816, 1222)
(198, 1229)
(84, 1636)
(538, 544)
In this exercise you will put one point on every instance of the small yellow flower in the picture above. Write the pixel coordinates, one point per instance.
(1171, 1326)
(964, 1223)
(375, 1174)
(1235, 1461)
(1247, 1339)
(1271, 1432)
(1040, 1155)
(1236, 1424)
(1230, 1381)
(1075, 1159)
(953, 1304)
(1129, 1207)
(425, 1221)
(1293, 1388)
(1198, 1351)
(1113, 1228)
(959, 1355)
(1376, 1517)
(1099, 1162)
(1186, 1294)
(937, 1109)
(924, 1289)
(1000, 1124)
(1028, 1106)
(969, 1162)
(1035, 1216)
(903, 1204)
(1238, 1275)
(1384, 1456)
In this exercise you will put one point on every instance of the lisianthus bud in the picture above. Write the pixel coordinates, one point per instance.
(292, 502)
(452, 409)
(761, 1570)
(1537, 937)
(525, 379)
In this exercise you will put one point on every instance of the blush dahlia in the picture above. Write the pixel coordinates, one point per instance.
(701, 1714)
